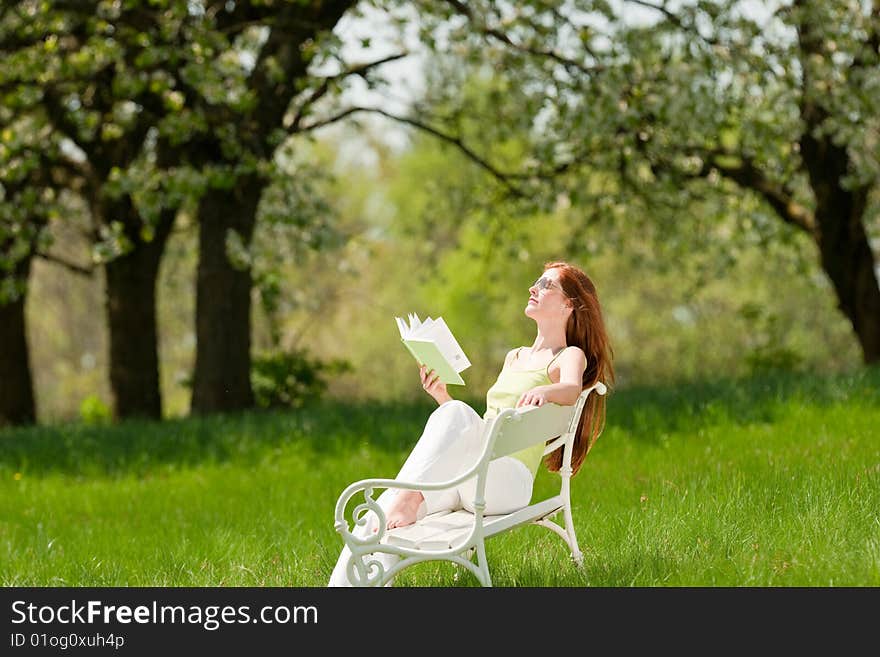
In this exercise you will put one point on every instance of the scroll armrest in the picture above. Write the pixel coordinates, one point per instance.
(367, 485)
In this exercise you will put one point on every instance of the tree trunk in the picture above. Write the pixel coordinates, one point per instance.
(849, 262)
(131, 317)
(16, 385)
(846, 253)
(222, 378)
(844, 247)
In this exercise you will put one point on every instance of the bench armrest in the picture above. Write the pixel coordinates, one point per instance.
(367, 485)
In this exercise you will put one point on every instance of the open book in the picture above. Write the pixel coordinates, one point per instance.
(432, 344)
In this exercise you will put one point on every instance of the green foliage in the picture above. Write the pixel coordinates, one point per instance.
(29, 202)
(299, 214)
(768, 349)
(292, 379)
(336, 257)
(156, 105)
(702, 127)
(93, 410)
(430, 239)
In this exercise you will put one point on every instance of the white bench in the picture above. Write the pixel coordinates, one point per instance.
(455, 536)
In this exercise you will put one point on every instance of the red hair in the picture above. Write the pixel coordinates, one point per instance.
(585, 329)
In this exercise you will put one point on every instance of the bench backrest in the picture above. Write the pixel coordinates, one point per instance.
(517, 430)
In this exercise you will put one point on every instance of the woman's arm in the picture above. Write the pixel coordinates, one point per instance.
(565, 393)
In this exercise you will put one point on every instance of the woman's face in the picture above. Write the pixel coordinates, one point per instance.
(546, 298)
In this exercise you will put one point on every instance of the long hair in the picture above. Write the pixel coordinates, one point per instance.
(585, 329)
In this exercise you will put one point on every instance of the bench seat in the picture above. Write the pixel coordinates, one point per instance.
(448, 529)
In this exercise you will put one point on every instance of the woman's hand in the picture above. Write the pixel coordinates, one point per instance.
(534, 397)
(433, 385)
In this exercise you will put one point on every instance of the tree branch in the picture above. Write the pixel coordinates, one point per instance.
(464, 10)
(670, 15)
(295, 25)
(60, 121)
(502, 177)
(324, 87)
(745, 173)
(71, 266)
(872, 41)
(675, 19)
(749, 176)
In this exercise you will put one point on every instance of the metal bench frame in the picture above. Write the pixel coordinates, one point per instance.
(510, 431)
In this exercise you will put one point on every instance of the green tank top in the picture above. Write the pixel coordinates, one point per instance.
(506, 391)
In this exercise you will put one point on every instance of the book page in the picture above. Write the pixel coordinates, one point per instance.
(408, 326)
(414, 323)
(424, 329)
(448, 345)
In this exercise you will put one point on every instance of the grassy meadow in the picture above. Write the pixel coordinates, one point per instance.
(771, 481)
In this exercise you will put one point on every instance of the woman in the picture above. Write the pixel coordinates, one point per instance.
(570, 352)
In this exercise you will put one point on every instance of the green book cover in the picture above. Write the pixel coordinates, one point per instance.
(427, 353)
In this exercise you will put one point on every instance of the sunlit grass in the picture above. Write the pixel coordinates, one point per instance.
(766, 482)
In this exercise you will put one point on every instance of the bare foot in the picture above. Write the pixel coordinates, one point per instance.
(403, 509)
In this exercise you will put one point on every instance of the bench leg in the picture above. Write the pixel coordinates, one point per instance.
(483, 568)
(469, 555)
(576, 553)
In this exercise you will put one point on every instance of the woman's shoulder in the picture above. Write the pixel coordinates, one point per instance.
(572, 354)
(511, 355)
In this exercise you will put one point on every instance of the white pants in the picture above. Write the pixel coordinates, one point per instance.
(449, 445)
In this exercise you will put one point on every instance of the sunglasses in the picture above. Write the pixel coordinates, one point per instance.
(545, 283)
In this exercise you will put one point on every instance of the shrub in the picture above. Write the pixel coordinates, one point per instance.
(92, 410)
(290, 379)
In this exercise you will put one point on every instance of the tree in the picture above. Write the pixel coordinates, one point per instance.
(31, 182)
(708, 98)
(168, 104)
(251, 77)
(82, 80)
(798, 127)
(158, 106)
(237, 145)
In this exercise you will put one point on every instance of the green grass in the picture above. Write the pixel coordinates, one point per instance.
(764, 482)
